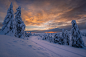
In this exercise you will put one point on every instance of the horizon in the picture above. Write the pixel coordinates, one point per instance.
(47, 16)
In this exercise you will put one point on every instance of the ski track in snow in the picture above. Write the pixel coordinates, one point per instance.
(48, 49)
(58, 48)
(65, 50)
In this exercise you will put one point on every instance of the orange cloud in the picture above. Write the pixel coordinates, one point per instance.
(47, 13)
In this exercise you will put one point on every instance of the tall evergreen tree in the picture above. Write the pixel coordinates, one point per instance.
(76, 36)
(20, 26)
(9, 22)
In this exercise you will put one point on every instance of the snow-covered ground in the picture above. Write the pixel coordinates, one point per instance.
(35, 47)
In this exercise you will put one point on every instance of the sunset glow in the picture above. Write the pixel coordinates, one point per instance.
(47, 14)
(51, 32)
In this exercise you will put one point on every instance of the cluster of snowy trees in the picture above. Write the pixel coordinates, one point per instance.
(13, 26)
(64, 37)
(48, 36)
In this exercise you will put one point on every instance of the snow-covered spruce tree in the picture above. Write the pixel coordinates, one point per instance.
(44, 37)
(20, 26)
(76, 36)
(9, 22)
(67, 38)
(63, 37)
(56, 38)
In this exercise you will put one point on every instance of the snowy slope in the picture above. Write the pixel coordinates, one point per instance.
(35, 47)
(15, 47)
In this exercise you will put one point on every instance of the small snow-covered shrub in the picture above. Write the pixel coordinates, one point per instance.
(83, 34)
(27, 34)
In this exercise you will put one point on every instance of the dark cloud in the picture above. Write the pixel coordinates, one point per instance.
(77, 12)
(40, 12)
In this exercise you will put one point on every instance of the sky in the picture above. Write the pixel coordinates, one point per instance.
(49, 16)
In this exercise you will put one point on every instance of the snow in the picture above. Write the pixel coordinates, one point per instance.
(35, 47)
